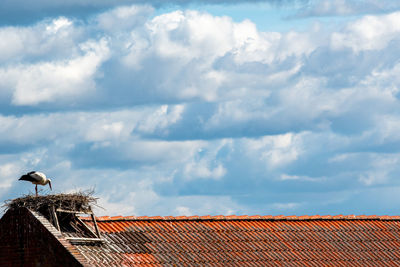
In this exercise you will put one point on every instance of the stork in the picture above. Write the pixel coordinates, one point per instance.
(36, 178)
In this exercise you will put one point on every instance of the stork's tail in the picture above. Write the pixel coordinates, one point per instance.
(26, 177)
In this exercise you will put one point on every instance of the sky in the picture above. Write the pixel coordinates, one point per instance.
(204, 106)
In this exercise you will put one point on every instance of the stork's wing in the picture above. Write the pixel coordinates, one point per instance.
(38, 176)
(26, 177)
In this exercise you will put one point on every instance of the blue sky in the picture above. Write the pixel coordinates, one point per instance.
(204, 107)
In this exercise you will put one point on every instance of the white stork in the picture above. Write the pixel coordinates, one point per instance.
(36, 178)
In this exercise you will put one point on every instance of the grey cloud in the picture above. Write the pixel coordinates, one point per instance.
(22, 12)
(196, 117)
(161, 80)
(320, 8)
(119, 82)
(132, 153)
(354, 67)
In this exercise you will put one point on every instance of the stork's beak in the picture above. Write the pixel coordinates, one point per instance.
(50, 185)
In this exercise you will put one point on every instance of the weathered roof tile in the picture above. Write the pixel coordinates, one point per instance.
(247, 240)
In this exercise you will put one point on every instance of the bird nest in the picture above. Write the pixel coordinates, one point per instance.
(80, 201)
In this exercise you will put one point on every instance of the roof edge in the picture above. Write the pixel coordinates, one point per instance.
(58, 236)
(246, 218)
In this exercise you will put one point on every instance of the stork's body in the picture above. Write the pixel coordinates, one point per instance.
(36, 178)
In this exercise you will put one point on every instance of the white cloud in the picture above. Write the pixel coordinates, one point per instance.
(286, 177)
(328, 8)
(369, 168)
(285, 206)
(202, 205)
(192, 35)
(161, 119)
(55, 81)
(58, 24)
(373, 178)
(144, 200)
(380, 168)
(368, 33)
(107, 206)
(345, 7)
(171, 55)
(106, 131)
(276, 151)
(48, 39)
(113, 126)
(183, 211)
(205, 163)
(201, 170)
(152, 151)
(384, 82)
(387, 129)
(123, 18)
(8, 174)
(184, 46)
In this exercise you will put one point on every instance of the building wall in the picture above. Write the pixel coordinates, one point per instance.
(25, 241)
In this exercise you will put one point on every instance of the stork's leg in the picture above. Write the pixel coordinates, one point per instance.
(36, 190)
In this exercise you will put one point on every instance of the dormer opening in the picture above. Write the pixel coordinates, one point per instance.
(63, 211)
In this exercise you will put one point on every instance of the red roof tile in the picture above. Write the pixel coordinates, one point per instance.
(246, 241)
(246, 217)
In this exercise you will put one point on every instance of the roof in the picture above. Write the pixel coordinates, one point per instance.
(247, 217)
(246, 241)
(211, 240)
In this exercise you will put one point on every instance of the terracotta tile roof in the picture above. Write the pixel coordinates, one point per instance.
(246, 241)
(247, 217)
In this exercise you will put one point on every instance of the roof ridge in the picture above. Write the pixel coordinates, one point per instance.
(246, 217)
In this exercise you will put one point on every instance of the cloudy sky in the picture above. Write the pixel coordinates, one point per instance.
(204, 107)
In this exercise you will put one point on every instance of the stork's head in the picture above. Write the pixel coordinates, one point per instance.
(49, 182)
